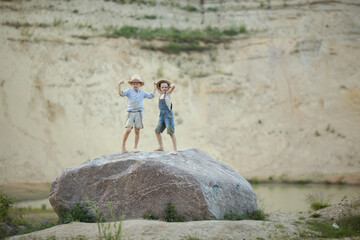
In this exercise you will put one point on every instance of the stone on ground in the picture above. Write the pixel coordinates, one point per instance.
(199, 186)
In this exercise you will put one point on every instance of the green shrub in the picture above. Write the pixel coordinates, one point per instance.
(303, 181)
(319, 205)
(253, 180)
(108, 230)
(57, 22)
(170, 214)
(209, 34)
(231, 31)
(32, 228)
(177, 40)
(315, 215)
(317, 200)
(148, 215)
(255, 215)
(190, 8)
(347, 227)
(81, 212)
(176, 48)
(212, 9)
(6, 203)
(192, 238)
(151, 17)
(233, 216)
(243, 29)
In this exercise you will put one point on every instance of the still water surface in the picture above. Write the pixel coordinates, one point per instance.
(271, 197)
(292, 198)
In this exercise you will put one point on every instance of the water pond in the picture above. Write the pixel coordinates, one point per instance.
(292, 197)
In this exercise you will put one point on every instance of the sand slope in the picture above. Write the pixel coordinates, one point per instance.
(281, 101)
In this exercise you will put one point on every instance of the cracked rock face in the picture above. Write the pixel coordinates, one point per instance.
(199, 186)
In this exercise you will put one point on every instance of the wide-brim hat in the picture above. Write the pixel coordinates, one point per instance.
(158, 84)
(136, 78)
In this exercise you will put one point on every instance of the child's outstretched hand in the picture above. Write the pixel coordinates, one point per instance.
(121, 82)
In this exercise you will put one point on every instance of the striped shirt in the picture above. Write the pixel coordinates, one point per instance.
(135, 99)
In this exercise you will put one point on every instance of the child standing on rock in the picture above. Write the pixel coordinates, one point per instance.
(166, 118)
(135, 97)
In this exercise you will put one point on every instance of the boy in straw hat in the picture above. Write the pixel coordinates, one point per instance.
(135, 97)
(166, 118)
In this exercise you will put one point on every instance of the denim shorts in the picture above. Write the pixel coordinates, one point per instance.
(166, 120)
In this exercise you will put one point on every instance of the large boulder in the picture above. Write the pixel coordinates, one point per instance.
(199, 186)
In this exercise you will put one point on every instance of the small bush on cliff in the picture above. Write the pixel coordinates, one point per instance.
(209, 34)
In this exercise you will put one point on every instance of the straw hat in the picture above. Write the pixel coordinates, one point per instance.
(136, 78)
(158, 84)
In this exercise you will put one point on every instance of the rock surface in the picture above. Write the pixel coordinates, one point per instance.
(199, 186)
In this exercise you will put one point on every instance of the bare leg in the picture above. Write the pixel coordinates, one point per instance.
(126, 135)
(161, 147)
(173, 138)
(137, 136)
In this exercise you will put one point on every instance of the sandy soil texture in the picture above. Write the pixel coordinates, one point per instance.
(281, 101)
(277, 226)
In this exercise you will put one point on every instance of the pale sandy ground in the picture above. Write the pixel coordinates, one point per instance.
(280, 228)
(277, 226)
(254, 103)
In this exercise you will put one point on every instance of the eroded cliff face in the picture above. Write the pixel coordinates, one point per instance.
(280, 101)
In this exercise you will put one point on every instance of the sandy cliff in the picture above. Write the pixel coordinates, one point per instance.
(282, 100)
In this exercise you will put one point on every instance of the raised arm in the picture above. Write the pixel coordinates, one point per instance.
(155, 88)
(150, 95)
(119, 87)
(172, 87)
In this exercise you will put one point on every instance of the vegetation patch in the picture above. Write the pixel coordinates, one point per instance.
(108, 230)
(315, 215)
(199, 74)
(303, 181)
(149, 216)
(173, 47)
(150, 17)
(57, 22)
(209, 35)
(346, 227)
(317, 200)
(6, 202)
(139, 2)
(178, 40)
(189, 8)
(13, 220)
(255, 215)
(170, 214)
(81, 212)
(25, 25)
